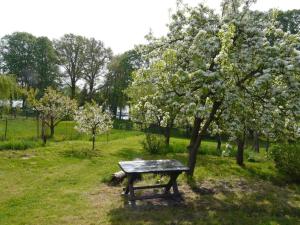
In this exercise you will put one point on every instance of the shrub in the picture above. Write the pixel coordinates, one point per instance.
(19, 145)
(154, 143)
(287, 159)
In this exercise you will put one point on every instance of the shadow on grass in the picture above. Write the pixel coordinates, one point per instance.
(224, 167)
(260, 203)
(250, 197)
(258, 173)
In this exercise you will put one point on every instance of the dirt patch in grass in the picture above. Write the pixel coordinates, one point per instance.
(27, 156)
(9, 154)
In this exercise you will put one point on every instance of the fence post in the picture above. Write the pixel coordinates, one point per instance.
(37, 125)
(5, 132)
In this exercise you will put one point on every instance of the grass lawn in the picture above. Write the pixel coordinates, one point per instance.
(65, 183)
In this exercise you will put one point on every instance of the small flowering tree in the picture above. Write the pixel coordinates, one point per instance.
(53, 107)
(92, 120)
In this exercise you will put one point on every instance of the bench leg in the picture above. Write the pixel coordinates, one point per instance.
(175, 188)
(130, 189)
(126, 190)
(172, 183)
(130, 179)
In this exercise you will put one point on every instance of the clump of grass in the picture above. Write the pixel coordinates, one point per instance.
(19, 144)
(154, 143)
(82, 153)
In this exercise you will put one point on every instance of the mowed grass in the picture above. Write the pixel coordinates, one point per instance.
(66, 183)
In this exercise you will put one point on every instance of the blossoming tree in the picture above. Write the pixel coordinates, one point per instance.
(93, 120)
(221, 58)
(142, 92)
(53, 107)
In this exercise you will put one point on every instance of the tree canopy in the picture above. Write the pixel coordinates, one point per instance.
(32, 60)
(118, 78)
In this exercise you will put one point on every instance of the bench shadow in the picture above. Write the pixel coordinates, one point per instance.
(261, 204)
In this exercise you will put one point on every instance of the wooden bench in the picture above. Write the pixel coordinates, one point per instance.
(134, 169)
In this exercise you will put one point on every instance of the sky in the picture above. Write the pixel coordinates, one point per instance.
(120, 24)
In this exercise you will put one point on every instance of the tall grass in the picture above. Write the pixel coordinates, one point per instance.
(19, 144)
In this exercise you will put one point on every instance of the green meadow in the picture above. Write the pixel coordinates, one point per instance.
(65, 182)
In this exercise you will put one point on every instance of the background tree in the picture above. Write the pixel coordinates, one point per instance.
(8, 90)
(46, 64)
(17, 52)
(72, 50)
(118, 79)
(97, 58)
(93, 120)
(32, 60)
(289, 20)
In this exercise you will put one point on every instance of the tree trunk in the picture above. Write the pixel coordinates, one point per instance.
(120, 113)
(129, 110)
(44, 136)
(256, 141)
(114, 110)
(23, 103)
(52, 127)
(187, 131)
(219, 142)
(195, 142)
(94, 139)
(267, 144)
(197, 135)
(91, 90)
(11, 106)
(193, 155)
(51, 131)
(73, 89)
(167, 135)
(195, 131)
(240, 151)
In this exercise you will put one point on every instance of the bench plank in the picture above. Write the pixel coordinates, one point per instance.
(152, 166)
